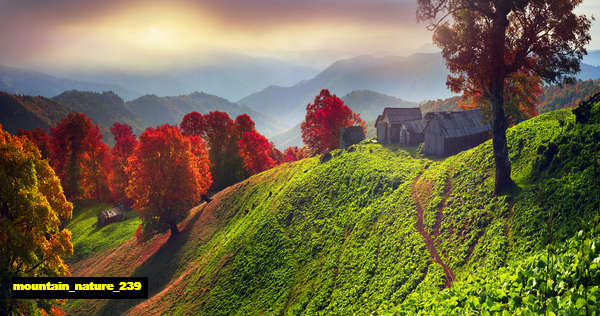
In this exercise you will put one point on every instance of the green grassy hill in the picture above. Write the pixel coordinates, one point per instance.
(373, 229)
(89, 239)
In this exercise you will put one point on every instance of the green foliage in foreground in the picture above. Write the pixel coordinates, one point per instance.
(563, 280)
(88, 239)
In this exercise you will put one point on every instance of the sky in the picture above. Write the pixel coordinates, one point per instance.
(135, 34)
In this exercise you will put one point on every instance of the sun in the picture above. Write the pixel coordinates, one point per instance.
(153, 30)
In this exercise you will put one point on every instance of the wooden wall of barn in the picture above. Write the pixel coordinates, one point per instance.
(434, 140)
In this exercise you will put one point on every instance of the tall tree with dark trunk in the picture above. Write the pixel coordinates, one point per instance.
(166, 178)
(485, 42)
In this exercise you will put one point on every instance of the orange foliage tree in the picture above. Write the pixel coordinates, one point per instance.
(33, 212)
(294, 153)
(125, 142)
(40, 138)
(166, 178)
(522, 91)
(324, 119)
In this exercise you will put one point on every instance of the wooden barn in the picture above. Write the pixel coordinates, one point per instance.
(411, 133)
(390, 124)
(447, 133)
(115, 214)
(351, 135)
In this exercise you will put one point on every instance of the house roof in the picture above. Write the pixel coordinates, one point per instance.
(400, 115)
(111, 212)
(458, 124)
(415, 127)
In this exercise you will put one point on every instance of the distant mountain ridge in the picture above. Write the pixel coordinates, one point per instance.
(105, 108)
(415, 77)
(232, 77)
(28, 82)
(154, 110)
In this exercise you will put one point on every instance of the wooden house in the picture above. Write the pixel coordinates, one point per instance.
(351, 135)
(447, 133)
(390, 124)
(411, 133)
(115, 214)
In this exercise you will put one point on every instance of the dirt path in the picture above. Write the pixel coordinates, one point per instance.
(440, 213)
(428, 241)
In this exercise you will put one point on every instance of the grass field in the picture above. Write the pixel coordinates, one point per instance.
(380, 229)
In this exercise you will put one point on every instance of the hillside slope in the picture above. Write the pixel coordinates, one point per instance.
(103, 108)
(26, 112)
(363, 230)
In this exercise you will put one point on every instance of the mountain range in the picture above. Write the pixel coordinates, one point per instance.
(27, 112)
(277, 110)
(105, 108)
(416, 77)
(233, 77)
(28, 82)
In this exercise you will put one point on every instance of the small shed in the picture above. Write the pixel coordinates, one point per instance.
(390, 123)
(447, 133)
(411, 133)
(115, 214)
(351, 135)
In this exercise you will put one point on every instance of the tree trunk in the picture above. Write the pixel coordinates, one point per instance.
(503, 181)
(496, 93)
(174, 229)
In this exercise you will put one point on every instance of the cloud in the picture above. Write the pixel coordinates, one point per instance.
(118, 33)
(111, 31)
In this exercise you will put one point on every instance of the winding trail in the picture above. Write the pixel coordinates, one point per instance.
(428, 241)
(440, 213)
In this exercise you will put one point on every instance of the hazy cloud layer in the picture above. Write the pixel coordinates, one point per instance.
(140, 34)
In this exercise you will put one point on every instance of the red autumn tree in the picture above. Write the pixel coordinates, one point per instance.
(40, 138)
(192, 124)
(166, 178)
(275, 153)
(220, 133)
(125, 142)
(95, 167)
(324, 118)
(243, 123)
(255, 152)
(294, 154)
(486, 42)
(198, 148)
(77, 152)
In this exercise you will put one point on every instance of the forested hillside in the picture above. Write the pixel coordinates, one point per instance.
(379, 228)
(154, 110)
(26, 112)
